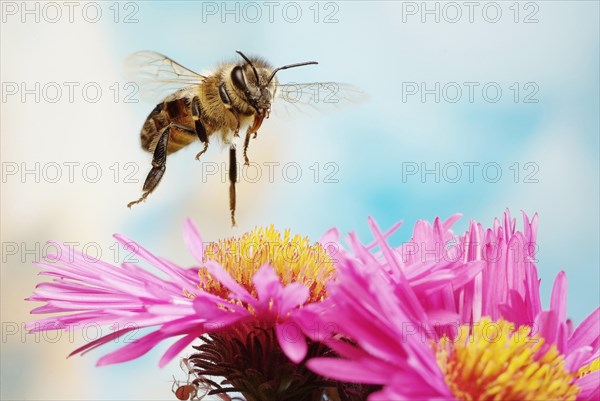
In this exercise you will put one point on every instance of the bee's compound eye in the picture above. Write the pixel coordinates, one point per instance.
(237, 77)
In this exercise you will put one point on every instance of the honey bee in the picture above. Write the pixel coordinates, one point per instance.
(235, 96)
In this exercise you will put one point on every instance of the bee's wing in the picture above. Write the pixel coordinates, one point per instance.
(157, 75)
(316, 97)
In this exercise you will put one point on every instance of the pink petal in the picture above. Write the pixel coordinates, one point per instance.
(389, 232)
(587, 333)
(267, 284)
(516, 311)
(177, 347)
(449, 222)
(292, 341)
(219, 273)
(589, 386)
(133, 350)
(292, 296)
(346, 370)
(179, 276)
(576, 359)
(558, 299)
(210, 307)
(193, 240)
(102, 340)
(331, 236)
(546, 324)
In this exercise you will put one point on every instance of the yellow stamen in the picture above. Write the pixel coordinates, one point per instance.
(496, 362)
(589, 368)
(292, 257)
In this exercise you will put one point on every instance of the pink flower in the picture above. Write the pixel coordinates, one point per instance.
(508, 288)
(443, 316)
(230, 296)
(387, 331)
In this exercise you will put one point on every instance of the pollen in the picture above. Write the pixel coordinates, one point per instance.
(293, 257)
(589, 368)
(495, 361)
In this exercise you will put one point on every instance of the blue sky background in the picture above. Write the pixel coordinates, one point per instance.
(369, 46)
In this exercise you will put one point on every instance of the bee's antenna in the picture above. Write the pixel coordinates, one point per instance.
(251, 65)
(285, 67)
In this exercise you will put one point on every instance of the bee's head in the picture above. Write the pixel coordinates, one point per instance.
(258, 85)
(250, 81)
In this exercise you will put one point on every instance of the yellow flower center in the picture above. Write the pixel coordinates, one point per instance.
(293, 258)
(496, 362)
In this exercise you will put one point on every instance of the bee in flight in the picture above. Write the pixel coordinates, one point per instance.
(235, 96)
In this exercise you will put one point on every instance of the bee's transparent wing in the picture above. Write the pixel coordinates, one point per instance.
(315, 97)
(157, 76)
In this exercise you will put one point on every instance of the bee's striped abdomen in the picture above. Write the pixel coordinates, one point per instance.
(172, 112)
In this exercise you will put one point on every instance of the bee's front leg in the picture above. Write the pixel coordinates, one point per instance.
(227, 103)
(258, 119)
(237, 119)
(199, 126)
(246, 143)
(159, 160)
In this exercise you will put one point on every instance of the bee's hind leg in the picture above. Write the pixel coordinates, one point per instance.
(159, 165)
(200, 129)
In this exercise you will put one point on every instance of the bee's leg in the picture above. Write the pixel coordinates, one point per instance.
(199, 126)
(159, 160)
(246, 143)
(237, 117)
(227, 102)
(253, 129)
(237, 129)
(232, 181)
